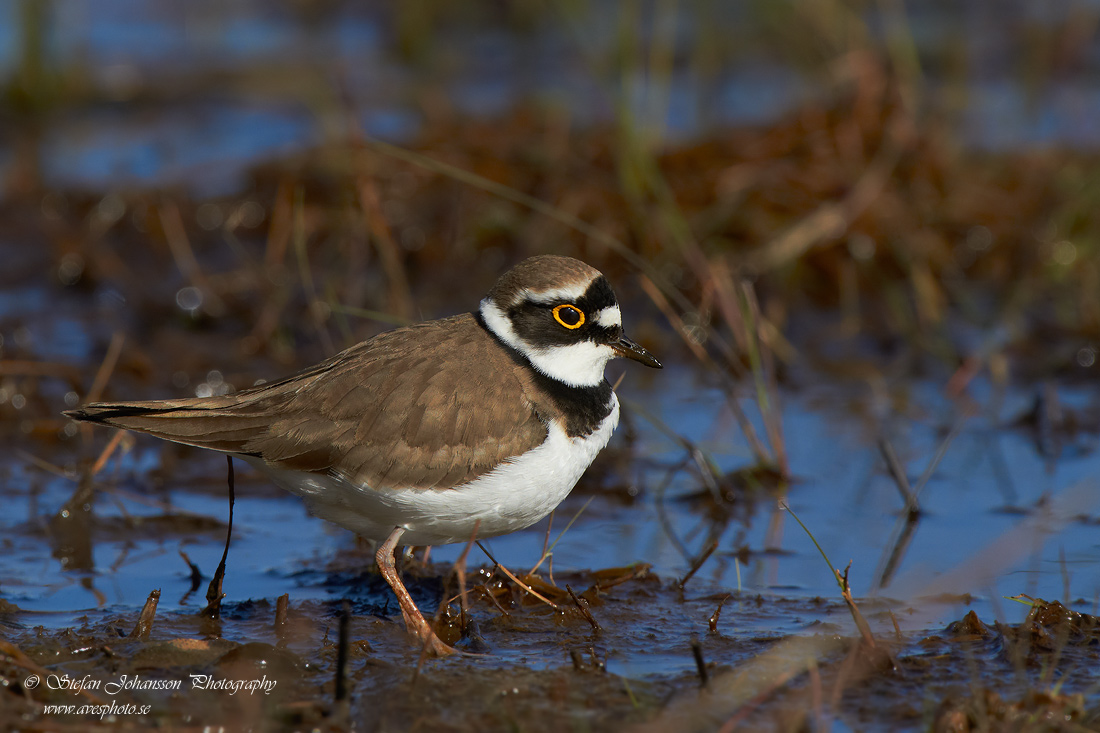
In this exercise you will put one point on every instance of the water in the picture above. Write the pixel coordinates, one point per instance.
(992, 483)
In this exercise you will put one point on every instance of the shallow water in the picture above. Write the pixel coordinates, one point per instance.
(991, 480)
(643, 647)
(988, 486)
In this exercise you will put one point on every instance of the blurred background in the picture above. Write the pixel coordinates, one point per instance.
(194, 93)
(918, 168)
(863, 236)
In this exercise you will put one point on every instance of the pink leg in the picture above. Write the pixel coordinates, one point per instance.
(414, 621)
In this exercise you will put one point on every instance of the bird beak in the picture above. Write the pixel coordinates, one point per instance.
(626, 348)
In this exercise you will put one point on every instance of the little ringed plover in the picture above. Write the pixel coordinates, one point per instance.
(414, 436)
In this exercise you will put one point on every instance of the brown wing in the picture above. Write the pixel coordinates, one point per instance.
(432, 405)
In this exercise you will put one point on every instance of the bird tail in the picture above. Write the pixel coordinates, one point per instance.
(223, 424)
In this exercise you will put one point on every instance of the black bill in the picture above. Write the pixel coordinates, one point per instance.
(628, 349)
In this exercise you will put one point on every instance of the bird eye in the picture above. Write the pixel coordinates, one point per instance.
(569, 316)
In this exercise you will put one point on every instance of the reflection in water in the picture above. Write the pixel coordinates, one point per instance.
(70, 534)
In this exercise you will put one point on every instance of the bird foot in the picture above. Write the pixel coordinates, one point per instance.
(431, 643)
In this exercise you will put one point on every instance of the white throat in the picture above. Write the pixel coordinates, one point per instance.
(577, 365)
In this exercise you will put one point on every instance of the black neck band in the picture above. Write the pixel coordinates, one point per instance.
(584, 408)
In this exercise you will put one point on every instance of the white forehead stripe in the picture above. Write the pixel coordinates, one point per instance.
(568, 293)
(609, 317)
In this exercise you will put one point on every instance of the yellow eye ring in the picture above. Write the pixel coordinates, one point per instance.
(571, 311)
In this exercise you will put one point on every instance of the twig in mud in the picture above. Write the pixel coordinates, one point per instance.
(897, 627)
(282, 605)
(600, 665)
(846, 593)
(342, 644)
(516, 580)
(700, 663)
(712, 622)
(841, 579)
(582, 605)
(214, 593)
(145, 618)
(698, 563)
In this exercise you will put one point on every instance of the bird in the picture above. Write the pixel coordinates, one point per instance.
(423, 434)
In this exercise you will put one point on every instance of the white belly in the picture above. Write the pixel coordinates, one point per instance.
(512, 496)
